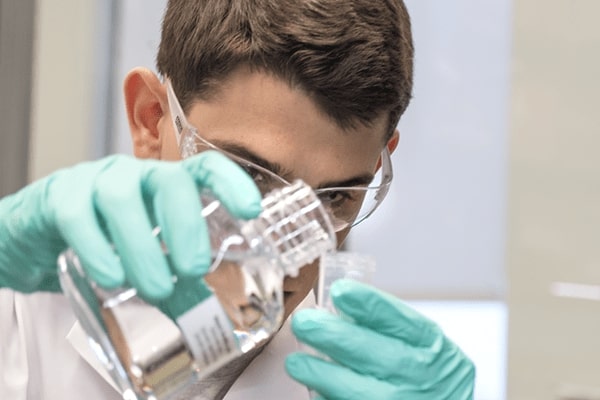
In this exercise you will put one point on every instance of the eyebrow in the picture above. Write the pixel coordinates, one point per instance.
(360, 180)
(243, 152)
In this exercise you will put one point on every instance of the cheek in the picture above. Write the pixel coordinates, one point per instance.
(341, 237)
(305, 279)
(310, 273)
(297, 288)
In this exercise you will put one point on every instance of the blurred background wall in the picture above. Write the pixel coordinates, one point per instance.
(16, 59)
(554, 202)
(72, 73)
(494, 209)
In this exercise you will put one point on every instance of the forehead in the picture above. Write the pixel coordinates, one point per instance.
(283, 125)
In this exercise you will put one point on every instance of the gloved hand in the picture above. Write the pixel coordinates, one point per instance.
(118, 200)
(382, 350)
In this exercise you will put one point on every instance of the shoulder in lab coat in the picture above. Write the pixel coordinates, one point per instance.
(44, 356)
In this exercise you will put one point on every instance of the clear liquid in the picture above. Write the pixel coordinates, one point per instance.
(252, 299)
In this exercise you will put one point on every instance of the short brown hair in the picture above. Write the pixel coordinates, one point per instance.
(353, 57)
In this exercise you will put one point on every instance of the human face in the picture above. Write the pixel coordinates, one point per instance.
(259, 117)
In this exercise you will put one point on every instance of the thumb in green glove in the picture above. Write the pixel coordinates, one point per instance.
(106, 210)
(381, 349)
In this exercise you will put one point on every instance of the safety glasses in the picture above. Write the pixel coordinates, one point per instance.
(348, 206)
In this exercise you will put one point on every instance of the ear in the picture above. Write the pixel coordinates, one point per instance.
(393, 141)
(146, 102)
(391, 145)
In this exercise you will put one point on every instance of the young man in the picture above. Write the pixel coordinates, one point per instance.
(309, 90)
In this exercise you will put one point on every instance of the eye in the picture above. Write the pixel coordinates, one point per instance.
(263, 181)
(257, 176)
(335, 198)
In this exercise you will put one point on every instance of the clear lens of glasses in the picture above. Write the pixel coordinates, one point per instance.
(355, 204)
(347, 205)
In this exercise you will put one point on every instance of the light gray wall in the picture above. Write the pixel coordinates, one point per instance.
(16, 55)
(554, 201)
(69, 104)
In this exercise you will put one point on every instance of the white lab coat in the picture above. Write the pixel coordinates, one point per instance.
(44, 356)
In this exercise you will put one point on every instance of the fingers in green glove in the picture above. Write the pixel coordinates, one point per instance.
(358, 347)
(227, 181)
(182, 227)
(379, 336)
(119, 201)
(74, 214)
(169, 192)
(383, 313)
(331, 381)
(177, 211)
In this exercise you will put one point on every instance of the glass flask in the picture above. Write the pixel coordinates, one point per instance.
(153, 354)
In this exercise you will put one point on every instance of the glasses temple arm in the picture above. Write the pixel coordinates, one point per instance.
(179, 120)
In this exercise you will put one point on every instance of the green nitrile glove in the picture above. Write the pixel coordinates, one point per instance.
(117, 201)
(381, 349)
